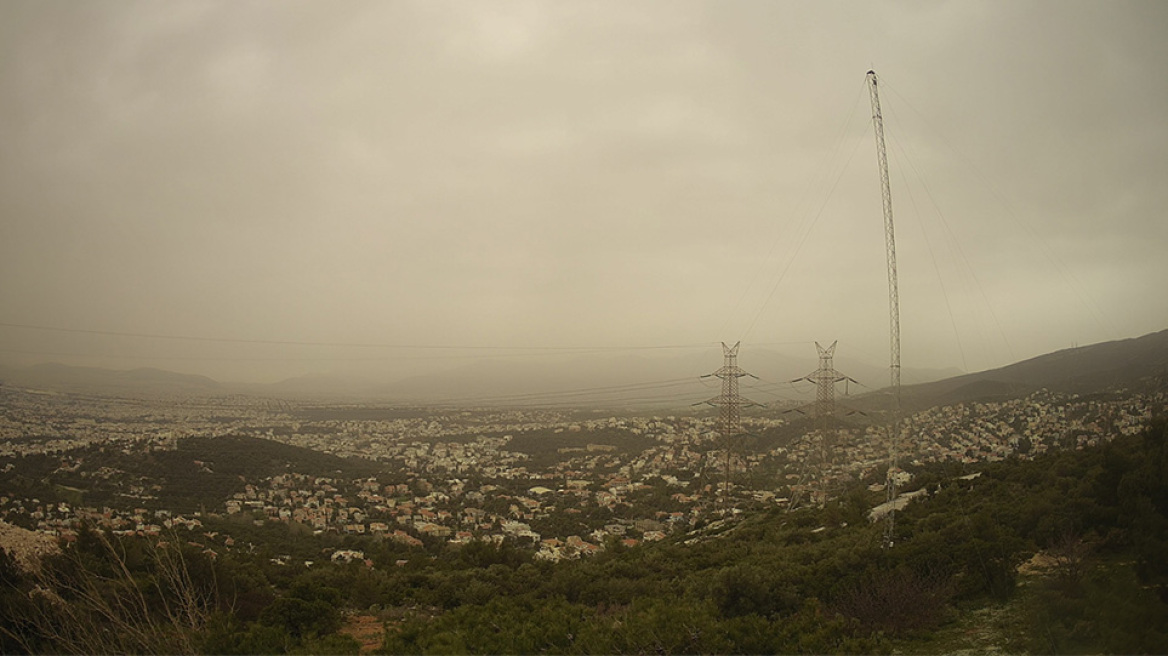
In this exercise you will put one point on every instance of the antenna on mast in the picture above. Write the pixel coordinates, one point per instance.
(893, 305)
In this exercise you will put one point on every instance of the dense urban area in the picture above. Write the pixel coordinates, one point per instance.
(554, 481)
(301, 489)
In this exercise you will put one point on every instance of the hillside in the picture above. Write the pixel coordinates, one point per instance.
(1129, 363)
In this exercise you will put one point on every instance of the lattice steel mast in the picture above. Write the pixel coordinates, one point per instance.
(825, 379)
(730, 405)
(893, 303)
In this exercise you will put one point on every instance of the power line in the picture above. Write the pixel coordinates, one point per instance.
(586, 392)
(616, 402)
(807, 227)
(364, 358)
(820, 175)
(278, 342)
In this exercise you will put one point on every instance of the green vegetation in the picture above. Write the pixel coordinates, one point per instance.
(200, 473)
(543, 445)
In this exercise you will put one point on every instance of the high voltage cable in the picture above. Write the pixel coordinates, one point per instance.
(591, 394)
(773, 388)
(823, 171)
(601, 390)
(810, 226)
(277, 342)
(607, 403)
(597, 394)
(686, 399)
(589, 391)
(366, 358)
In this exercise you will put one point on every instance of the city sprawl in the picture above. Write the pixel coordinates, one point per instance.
(563, 483)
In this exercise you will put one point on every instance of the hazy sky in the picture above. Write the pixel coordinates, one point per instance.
(574, 174)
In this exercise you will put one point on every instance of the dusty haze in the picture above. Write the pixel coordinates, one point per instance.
(257, 190)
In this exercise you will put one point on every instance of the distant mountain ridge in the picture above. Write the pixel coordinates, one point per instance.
(1083, 369)
(141, 381)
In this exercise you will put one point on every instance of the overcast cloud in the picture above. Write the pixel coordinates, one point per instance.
(575, 174)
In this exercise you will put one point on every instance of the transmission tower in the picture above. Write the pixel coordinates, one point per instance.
(825, 379)
(893, 307)
(730, 407)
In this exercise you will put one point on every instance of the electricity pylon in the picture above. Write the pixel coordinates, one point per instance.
(893, 306)
(730, 407)
(825, 379)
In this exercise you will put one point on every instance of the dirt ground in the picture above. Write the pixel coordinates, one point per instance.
(367, 629)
